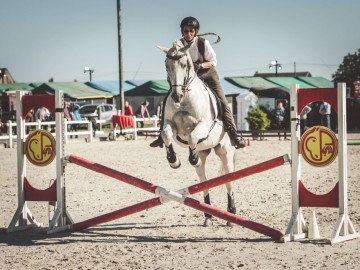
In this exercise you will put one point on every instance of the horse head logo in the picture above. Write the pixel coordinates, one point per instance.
(319, 146)
(35, 150)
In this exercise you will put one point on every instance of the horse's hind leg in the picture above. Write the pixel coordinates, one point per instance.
(227, 156)
(231, 208)
(200, 170)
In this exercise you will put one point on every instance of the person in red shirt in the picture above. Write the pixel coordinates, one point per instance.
(128, 109)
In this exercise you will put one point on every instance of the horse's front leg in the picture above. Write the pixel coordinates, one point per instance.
(201, 131)
(167, 135)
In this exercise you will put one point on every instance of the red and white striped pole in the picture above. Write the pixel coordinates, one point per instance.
(166, 195)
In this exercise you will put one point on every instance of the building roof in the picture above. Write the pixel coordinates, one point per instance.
(72, 90)
(5, 76)
(14, 86)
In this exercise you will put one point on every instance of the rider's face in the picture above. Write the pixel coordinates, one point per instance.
(189, 33)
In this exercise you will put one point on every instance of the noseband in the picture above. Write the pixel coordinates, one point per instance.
(187, 79)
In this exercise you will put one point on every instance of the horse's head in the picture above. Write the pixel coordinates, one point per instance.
(180, 70)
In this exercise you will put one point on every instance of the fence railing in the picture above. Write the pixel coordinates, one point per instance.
(10, 137)
(151, 126)
(86, 129)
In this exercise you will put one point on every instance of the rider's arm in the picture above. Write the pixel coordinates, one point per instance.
(210, 56)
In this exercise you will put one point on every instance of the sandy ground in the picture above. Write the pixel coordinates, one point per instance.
(171, 236)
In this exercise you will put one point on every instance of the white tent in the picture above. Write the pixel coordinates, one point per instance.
(246, 100)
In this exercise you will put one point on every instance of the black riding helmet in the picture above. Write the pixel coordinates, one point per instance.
(190, 21)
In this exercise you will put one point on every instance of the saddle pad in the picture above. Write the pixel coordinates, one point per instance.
(215, 102)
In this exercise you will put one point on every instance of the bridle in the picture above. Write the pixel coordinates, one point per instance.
(187, 79)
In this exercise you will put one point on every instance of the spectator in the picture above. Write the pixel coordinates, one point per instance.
(159, 110)
(128, 109)
(29, 118)
(142, 111)
(43, 115)
(325, 111)
(280, 115)
(66, 111)
(75, 116)
(303, 119)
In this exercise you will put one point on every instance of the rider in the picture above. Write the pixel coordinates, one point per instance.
(204, 59)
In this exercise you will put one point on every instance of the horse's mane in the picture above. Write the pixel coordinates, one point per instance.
(174, 50)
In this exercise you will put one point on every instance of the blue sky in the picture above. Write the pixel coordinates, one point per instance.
(41, 39)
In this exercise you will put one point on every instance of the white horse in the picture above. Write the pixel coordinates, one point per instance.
(191, 120)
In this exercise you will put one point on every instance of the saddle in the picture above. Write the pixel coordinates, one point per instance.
(215, 102)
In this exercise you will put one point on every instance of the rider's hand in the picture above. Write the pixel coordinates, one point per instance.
(197, 66)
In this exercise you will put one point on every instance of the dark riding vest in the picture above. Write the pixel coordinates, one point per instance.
(201, 49)
(209, 75)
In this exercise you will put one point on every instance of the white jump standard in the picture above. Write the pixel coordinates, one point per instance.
(337, 197)
(56, 193)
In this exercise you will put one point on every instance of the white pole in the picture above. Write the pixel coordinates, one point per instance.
(21, 163)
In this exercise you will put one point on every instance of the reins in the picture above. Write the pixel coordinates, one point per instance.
(187, 79)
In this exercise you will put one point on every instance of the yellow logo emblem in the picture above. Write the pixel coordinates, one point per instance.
(319, 146)
(40, 148)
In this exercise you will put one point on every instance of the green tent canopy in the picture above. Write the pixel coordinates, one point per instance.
(251, 82)
(318, 82)
(72, 90)
(150, 88)
(14, 86)
(286, 82)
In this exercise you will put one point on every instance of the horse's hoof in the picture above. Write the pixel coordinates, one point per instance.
(207, 222)
(176, 164)
(197, 164)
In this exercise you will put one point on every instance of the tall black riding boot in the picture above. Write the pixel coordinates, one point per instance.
(236, 140)
(159, 142)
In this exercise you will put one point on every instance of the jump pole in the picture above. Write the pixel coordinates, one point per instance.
(180, 196)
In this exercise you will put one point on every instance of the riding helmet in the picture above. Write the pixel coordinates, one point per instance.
(190, 21)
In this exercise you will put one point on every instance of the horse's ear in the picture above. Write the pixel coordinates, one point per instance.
(185, 48)
(165, 50)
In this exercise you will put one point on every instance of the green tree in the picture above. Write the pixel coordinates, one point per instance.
(257, 119)
(349, 70)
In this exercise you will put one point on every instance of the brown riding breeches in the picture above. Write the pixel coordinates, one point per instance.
(211, 78)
